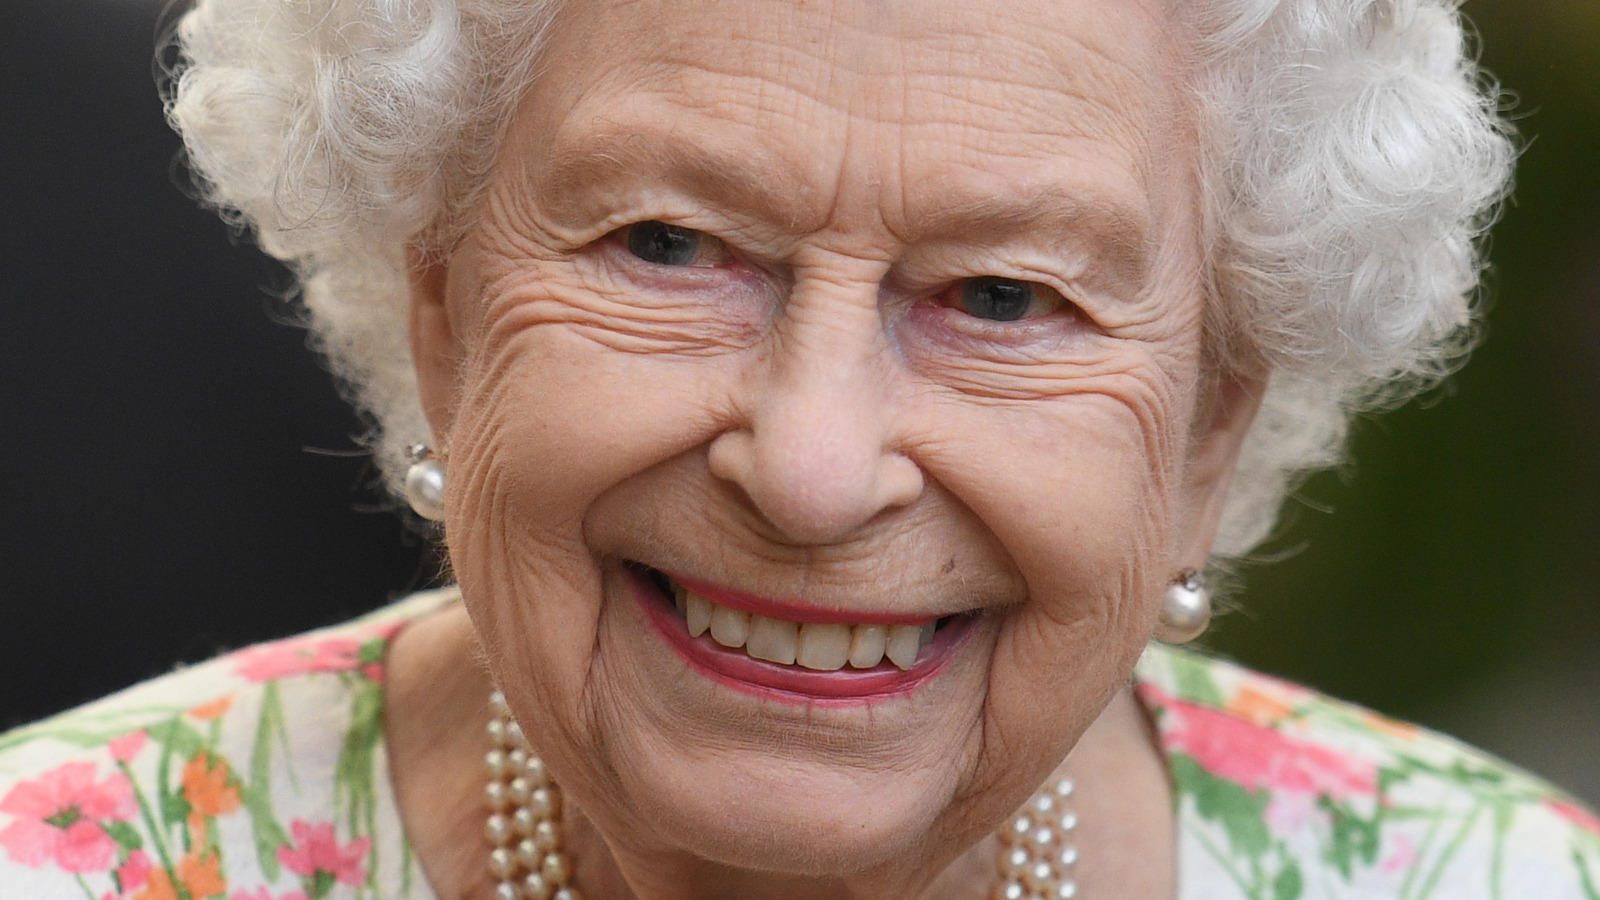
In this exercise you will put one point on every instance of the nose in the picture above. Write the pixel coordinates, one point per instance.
(816, 453)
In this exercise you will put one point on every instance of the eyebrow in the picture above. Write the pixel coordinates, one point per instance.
(753, 181)
(1113, 227)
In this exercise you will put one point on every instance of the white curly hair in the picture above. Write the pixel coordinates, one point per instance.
(1353, 156)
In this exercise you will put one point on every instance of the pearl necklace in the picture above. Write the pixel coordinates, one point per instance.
(1037, 855)
(524, 824)
(524, 828)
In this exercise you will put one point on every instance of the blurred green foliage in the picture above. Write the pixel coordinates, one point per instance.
(1459, 550)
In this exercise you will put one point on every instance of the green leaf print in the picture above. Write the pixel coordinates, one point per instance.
(372, 651)
(180, 740)
(1241, 813)
(354, 788)
(1353, 839)
(69, 727)
(257, 793)
(1588, 880)
(1289, 884)
(354, 778)
(174, 809)
(1504, 815)
(319, 885)
(1443, 859)
(126, 836)
(1195, 681)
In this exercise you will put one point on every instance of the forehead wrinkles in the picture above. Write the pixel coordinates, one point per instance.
(845, 111)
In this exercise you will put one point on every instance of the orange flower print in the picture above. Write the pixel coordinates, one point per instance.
(1259, 706)
(1403, 731)
(201, 877)
(212, 710)
(209, 787)
(158, 887)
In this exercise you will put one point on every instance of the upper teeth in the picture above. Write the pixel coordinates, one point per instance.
(824, 646)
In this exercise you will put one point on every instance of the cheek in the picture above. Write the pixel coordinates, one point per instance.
(1064, 476)
(547, 419)
(1074, 494)
(1077, 493)
(575, 385)
(1079, 490)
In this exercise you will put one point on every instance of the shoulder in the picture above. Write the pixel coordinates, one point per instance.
(252, 776)
(1315, 797)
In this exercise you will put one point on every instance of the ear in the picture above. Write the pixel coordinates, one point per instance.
(435, 348)
(1218, 438)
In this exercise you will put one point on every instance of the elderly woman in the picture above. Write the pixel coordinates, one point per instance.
(824, 405)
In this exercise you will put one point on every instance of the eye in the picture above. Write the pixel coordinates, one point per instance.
(1005, 299)
(669, 245)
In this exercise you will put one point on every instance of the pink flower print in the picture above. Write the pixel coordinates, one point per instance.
(134, 871)
(261, 893)
(1255, 757)
(1289, 811)
(297, 656)
(1401, 858)
(58, 818)
(317, 852)
(1575, 814)
(125, 748)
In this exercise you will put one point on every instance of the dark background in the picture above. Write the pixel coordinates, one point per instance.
(179, 475)
(159, 501)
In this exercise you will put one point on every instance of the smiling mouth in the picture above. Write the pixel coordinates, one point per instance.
(795, 648)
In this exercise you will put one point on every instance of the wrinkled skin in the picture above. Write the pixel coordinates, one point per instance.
(810, 408)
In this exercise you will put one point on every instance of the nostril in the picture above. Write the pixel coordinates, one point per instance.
(816, 478)
(730, 455)
(899, 481)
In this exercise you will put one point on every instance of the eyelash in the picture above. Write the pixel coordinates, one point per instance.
(662, 238)
(1002, 301)
(995, 301)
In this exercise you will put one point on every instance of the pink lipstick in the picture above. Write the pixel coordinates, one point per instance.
(792, 684)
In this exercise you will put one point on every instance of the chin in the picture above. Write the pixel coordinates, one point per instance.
(758, 775)
(750, 811)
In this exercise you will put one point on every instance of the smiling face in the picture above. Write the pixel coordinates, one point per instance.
(799, 330)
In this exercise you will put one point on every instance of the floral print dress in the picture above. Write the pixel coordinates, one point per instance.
(262, 775)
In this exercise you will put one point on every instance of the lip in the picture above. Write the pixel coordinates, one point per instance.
(794, 684)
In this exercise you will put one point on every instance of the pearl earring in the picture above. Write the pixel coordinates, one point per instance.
(425, 483)
(1185, 608)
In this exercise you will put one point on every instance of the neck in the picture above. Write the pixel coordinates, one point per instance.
(436, 708)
